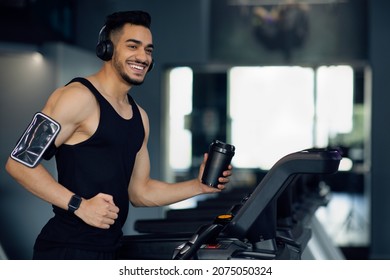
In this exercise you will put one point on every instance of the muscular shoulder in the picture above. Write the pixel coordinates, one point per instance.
(71, 101)
(144, 115)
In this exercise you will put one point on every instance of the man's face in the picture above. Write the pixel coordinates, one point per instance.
(133, 53)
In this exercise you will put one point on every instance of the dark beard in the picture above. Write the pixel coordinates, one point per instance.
(129, 80)
(126, 77)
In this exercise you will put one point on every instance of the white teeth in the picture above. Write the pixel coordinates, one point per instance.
(137, 67)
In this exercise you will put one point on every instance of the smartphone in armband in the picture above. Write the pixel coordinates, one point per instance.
(36, 139)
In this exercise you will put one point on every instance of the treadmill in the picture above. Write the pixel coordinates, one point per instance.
(271, 222)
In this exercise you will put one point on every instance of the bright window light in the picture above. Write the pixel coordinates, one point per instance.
(271, 111)
(334, 102)
(180, 105)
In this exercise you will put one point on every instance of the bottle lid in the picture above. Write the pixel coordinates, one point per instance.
(222, 147)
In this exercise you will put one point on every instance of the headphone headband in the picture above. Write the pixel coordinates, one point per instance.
(102, 34)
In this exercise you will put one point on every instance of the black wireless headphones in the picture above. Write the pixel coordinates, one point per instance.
(105, 48)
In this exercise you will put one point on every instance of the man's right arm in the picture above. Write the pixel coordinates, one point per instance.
(70, 107)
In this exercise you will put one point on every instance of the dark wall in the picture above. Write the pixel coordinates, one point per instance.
(379, 57)
(298, 34)
(24, 85)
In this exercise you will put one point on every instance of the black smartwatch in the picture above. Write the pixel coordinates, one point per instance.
(74, 203)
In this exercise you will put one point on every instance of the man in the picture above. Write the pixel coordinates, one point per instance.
(99, 137)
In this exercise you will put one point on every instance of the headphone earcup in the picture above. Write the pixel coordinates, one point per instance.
(105, 50)
(151, 66)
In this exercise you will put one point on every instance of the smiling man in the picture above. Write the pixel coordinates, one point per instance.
(99, 137)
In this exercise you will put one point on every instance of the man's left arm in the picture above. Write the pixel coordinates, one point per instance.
(144, 191)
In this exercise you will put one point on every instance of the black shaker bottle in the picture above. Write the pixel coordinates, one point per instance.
(219, 157)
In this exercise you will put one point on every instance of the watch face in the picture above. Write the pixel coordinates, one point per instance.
(74, 203)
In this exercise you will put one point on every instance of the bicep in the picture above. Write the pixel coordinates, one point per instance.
(68, 108)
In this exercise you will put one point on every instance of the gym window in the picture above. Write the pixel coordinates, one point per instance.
(272, 111)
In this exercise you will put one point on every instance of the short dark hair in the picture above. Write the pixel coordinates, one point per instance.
(118, 19)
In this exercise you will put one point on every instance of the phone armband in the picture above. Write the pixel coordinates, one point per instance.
(36, 140)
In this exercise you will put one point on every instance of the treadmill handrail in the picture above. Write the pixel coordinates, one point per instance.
(312, 161)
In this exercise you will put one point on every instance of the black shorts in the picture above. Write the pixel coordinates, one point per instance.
(60, 253)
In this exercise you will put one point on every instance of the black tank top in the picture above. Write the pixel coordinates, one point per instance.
(101, 164)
